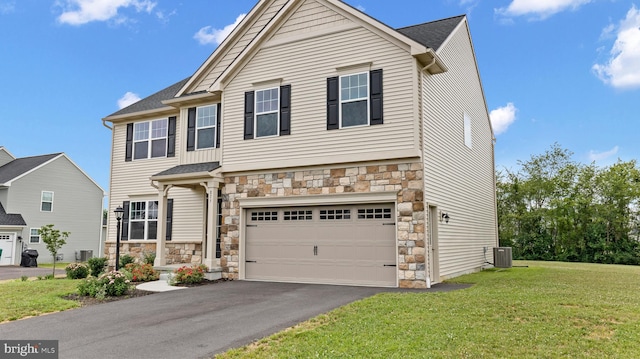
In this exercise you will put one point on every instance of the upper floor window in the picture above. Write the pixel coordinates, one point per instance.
(143, 220)
(354, 100)
(150, 139)
(267, 112)
(206, 122)
(46, 201)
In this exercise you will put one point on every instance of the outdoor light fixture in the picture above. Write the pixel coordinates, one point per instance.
(445, 217)
(118, 211)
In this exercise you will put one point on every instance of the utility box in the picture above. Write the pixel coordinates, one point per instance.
(502, 257)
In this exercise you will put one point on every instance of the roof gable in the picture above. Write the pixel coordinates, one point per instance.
(21, 166)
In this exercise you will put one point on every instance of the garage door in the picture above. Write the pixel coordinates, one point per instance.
(351, 245)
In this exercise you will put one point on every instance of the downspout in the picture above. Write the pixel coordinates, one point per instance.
(104, 123)
(429, 250)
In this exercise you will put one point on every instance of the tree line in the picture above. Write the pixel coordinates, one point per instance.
(553, 208)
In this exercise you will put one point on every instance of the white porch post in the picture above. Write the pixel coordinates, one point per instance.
(162, 226)
(209, 250)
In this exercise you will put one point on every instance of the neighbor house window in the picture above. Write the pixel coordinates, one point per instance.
(35, 236)
(150, 139)
(354, 100)
(467, 130)
(207, 118)
(143, 220)
(46, 203)
(267, 112)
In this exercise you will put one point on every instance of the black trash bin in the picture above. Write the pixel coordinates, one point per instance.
(29, 258)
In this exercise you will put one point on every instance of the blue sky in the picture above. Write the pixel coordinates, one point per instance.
(565, 71)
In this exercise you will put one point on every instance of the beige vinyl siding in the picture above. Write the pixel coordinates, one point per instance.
(188, 214)
(237, 48)
(77, 207)
(459, 180)
(306, 65)
(197, 156)
(309, 17)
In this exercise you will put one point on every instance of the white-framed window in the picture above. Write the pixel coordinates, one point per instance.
(467, 130)
(143, 220)
(267, 112)
(34, 237)
(354, 100)
(150, 139)
(206, 121)
(46, 201)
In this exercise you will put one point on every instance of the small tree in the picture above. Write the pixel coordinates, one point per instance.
(54, 239)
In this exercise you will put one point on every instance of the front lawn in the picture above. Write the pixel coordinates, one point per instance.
(20, 299)
(548, 310)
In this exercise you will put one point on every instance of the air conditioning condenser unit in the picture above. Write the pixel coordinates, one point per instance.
(502, 257)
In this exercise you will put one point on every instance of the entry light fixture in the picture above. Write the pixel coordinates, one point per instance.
(444, 217)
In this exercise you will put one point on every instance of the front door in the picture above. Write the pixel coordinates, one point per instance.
(7, 244)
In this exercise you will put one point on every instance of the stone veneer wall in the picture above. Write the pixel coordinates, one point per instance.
(405, 178)
(175, 252)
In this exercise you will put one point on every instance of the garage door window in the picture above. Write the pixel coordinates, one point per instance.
(374, 213)
(306, 215)
(335, 214)
(264, 216)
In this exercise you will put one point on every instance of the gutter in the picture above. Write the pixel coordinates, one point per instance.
(104, 123)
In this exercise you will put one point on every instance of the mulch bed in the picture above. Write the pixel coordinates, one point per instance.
(86, 300)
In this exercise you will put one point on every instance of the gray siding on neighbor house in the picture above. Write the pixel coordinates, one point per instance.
(459, 180)
(5, 157)
(77, 207)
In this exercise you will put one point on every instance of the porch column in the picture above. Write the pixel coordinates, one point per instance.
(162, 226)
(209, 250)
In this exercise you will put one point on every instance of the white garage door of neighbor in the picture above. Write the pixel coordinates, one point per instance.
(6, 244)
(349, 245)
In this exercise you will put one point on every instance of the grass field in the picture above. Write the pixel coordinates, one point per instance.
(21, 299)
(545, 310)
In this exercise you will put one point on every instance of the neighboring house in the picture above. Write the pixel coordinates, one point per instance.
(317, 145)
(49, 189)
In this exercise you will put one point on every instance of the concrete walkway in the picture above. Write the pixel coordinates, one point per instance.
(197, 322)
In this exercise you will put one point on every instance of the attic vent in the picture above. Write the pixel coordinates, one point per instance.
(502, 257)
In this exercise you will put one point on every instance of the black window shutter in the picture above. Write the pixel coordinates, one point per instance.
(125, 221)
(128, 152)
(218, 129)
(248, 114)
(285, 110)
(191, 129)
(171, 137)
(375, 93)
(333, 103)
(169, 226)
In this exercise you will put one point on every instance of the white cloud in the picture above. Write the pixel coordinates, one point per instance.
(502, 118)
(540, 9)
(361, 8)
(79, 12)
(622, 69)
(128, 99)
(209, 35)
(599, 156)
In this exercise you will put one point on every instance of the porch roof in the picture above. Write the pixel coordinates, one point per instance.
(10, 219)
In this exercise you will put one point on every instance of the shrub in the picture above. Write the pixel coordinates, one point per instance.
(111, 284)
(190, 275)
(126, 259)
(142, 272)
(97, 265)
(149, 257)
(77, 270)
(24, 278)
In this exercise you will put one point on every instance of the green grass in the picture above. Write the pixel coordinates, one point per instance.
(20, 299)
(548, 310)
(59, 265)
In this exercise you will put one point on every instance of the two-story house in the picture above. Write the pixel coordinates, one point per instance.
(318, 145)
(47, 189)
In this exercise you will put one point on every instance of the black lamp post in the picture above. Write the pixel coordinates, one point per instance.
(118, 211)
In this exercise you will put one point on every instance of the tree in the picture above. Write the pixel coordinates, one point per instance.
(54, 239)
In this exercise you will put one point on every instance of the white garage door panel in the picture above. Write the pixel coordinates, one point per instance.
(341, 248)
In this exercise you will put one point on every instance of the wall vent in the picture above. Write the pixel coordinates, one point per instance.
(502, 257)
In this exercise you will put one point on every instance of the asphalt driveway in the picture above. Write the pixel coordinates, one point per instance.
(15, 272)
(193, 323)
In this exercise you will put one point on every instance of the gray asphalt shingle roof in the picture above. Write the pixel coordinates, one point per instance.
(22, 165)
(10, 219)
(431, 34)
(191, 168)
